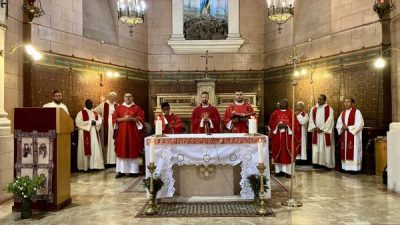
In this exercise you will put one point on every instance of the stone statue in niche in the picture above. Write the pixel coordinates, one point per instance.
(207, 22)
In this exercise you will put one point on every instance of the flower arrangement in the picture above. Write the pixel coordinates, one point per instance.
(25, 187)
(254, 181)
(157, 184)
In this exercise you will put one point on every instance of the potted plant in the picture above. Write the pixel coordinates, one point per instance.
(254, 181)
(24, 188)
(157, 184)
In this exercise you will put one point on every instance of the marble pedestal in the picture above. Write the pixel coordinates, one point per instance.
(393, 167)
(199, 181)
(6, 164)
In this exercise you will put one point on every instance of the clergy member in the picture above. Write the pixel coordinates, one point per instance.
(129, 120)
(106, 110)
(172, 124)
(321, 125)
(280, 124)
(236, 117)
(302, 118)
(57, 102)
(205, 117)
(88, 122)
(349, 126)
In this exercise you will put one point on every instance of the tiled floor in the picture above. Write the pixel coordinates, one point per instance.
(329, 198)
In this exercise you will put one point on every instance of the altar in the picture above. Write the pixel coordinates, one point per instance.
(207, 165)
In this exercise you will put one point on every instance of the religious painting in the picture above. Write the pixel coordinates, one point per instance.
(35, 158)
(27, 150)
(205, 19)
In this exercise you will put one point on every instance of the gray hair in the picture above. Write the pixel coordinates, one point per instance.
(300, 103)
(113, 94)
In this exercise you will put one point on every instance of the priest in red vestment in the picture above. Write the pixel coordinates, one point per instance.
(280, 124)
(129, 120)
(205, 117)
(171, 122)
(236, 117)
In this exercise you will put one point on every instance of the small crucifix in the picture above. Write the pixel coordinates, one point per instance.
(206, 56)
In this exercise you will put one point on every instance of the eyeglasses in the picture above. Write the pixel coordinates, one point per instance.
(128, 96)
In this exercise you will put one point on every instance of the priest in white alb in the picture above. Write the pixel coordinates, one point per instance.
(321, 124)
(349, 126)
(106, 110)
(88, 122)
(302, 118)
(57, 102)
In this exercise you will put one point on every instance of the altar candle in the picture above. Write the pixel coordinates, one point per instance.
(151, 160)
(158, 126)
(252, 125)
(260, 152)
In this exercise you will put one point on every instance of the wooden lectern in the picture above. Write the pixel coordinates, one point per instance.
(42, 145)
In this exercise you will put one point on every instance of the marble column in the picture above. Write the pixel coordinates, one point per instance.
(6, 138)
(395, 64)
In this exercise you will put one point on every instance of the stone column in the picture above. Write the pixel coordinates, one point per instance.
(395, 57)
(233, 19)
(6, 138)
(177, 20)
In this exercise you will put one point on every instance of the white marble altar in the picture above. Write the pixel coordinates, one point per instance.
(207, 150)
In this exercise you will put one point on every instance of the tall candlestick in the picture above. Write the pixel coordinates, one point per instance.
(260, 152)
(158, 126)
(252, 126)
(151, 159)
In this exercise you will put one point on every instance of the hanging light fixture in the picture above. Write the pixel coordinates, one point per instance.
(280, 11)
(381, 7)
(131, 12)
(33, 8)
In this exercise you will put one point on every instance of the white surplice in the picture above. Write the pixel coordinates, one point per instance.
(356, 130)
(303, 120)
(95, 160)
(55, 105)
(321, 153)
(109, 149)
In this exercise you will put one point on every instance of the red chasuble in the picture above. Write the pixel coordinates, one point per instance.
(282, 141)
(174, 125)
(199, 112)
(240, 126)
(129, 140)
(348, 152)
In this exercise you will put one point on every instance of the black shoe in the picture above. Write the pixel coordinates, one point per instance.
(134, 175)
(119, 175)
(280, 174)
(288, 176)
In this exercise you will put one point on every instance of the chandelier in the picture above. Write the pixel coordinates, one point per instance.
(33, 9)
(131, 12)
(381, 7)
(280, 11)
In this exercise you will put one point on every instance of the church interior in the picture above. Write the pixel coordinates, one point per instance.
(173, 51)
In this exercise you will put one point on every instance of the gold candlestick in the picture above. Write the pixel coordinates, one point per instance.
(151, 208)
(261, 209)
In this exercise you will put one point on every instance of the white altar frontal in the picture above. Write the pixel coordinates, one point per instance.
(217, 165)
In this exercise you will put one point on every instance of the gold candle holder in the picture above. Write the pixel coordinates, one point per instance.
(151, 208)
(261, 208)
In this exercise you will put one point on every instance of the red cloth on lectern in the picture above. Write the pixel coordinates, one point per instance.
(240, 126)
(199, 112)
(129, 140)
(282, 141)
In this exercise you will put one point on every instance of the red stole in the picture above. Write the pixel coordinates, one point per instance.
(106, 114)
(315, 133)
(86, 134)
(348, 153)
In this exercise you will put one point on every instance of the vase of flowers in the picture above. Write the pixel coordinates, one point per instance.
(24, 188)
(157, 185)
(254, 181)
